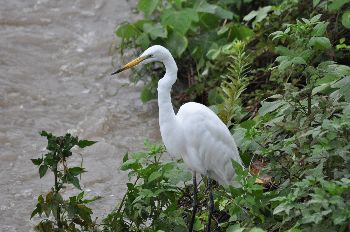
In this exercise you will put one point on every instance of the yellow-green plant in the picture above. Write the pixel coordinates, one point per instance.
(234, 82)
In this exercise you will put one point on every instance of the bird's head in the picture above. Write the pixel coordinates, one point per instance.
(151, 54)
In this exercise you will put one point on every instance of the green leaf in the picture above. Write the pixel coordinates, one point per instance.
(41, 199)
(49, 197)
(155, 30)
(255, 229)
(315, 18)
(214, 96)
(37, 161)
(74, 181)
(45, 134)
(154, 175)
(42, 170)
(75, 171)
(85, 213)
(179, 21)
(127, 31)
(320, 88)
(346, 110)
(278, 34)
(341, 83)
(35, 211)
(311, 218)
(279, 208)
(125, 157)
(143, 41)
(248, 124)
(238, 135)
(58, 197)
(130, 164)
(241, 32)
(333, 69)
(177, 43)
(298, 60)
(147, 6)
(198, 225)
(284, 65)
(205, 7)
(222, 13)
(88, 201)
(146, 94)
(235, 228)
(80, 196)
(319, 29)
(344, 90)
(85, 143)
(294, 230)
(283, 51)
(321, 43)
(212, 54)
(315, 2)
(250, 16)
(345, 19)
(337, 4)
(262, 13)
(259, 15)
(339, 217)
(267, 107)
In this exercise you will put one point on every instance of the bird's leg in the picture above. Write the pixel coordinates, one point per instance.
(211, 204)
(194, 203)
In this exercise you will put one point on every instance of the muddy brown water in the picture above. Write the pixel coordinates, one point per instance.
(54, 75)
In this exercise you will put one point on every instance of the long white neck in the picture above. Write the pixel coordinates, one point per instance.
(166, 111)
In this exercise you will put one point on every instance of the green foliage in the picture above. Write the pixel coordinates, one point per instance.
(316, 203)
(342, 45)
(345, 19)
(192, 31)
(277, 73)
(197, 32)
(234, 83)
(62, 214)
(258, 15)
(302, 134)
(306, 43)
(340, 7)
(158, 197)
(247, 203)
(151, 202)
(287, 103)
(278, 77)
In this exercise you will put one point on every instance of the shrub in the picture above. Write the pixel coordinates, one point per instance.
(62, 214)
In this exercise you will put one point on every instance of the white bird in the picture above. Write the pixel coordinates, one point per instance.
(195, 132)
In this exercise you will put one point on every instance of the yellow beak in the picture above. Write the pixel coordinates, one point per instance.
(130, 64)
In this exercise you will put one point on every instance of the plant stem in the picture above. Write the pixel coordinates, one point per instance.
(56, 191)
(309, 95)
(124, 197)
(57, 187)
(241, 10)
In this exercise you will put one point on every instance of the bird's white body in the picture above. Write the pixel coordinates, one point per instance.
(195, 132)
(209, 146)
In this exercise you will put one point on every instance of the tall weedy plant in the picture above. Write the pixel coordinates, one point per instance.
(62, 214)
(234, 82)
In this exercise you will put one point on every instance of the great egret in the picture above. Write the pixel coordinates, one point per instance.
(195, 132)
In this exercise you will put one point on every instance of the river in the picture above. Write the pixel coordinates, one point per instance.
(55, 61)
